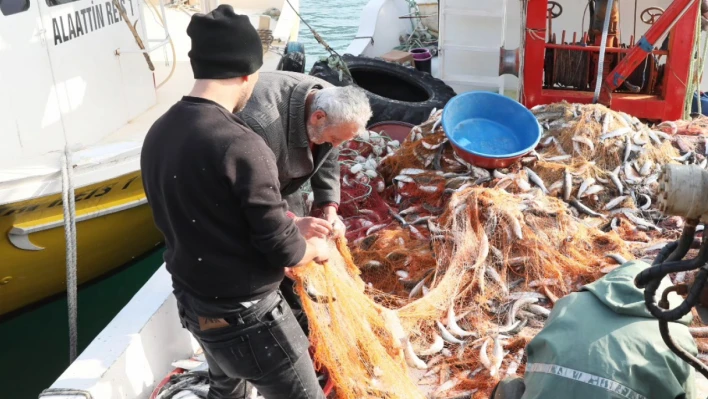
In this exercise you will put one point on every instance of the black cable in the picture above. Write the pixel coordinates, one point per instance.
(684, 308)
(678, 350)
(685, 242)
(663, 269)
(664, 253)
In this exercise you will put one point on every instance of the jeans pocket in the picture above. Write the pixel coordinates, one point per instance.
(235, 357)
(289, 336)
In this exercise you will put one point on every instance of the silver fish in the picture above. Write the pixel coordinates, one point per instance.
(613, 203)
(518, 305)
(627, 149)
(593, 190)
(684, 158)
(615, 133)
(640, 222)
(453, 327)
(515, 296)
(404, 179)
(483, 356)
(618, 183)
(568, 187)
(536, 179)
(412, 359)
(654, 137)
(434, 348)
(586, 141)
(558, 158)
(538, 310)
(638, 140)
(647, 202)
(412, 171)
(617, 258)
(418, 288)
(606, 124)
(556, 186)
(614, 224)
(447, 336)
(585, 185)
(646, 169)
(498, 353)
(626, 119)
(582, 208)
(402, 274)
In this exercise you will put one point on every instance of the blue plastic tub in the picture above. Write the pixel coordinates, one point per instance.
(490, 130)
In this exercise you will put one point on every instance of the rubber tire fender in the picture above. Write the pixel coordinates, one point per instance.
(395, 92)
(293, 60)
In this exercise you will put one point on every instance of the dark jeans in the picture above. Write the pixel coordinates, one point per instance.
(263, 346)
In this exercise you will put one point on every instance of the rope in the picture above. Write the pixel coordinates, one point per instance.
(603, 47)
(69, 205)
(155, 13)
(335, 60)
(65, 392)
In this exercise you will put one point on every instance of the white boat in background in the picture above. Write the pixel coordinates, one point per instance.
(72, 75)
(137, 349)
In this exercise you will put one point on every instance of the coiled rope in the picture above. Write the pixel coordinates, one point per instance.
(69, 206)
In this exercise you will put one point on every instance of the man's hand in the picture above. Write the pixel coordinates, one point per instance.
(313, 227)
(329, 213)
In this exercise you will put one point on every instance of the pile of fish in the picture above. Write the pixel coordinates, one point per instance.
(593, 165)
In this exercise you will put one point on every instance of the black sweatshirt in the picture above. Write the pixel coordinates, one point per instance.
(212, 184)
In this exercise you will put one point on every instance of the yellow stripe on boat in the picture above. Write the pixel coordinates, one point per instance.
(114, 225)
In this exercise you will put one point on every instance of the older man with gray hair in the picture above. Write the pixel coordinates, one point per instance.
(303, 120)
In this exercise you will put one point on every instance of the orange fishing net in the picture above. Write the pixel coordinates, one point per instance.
(452, 271)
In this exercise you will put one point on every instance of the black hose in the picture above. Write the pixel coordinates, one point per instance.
(685, 242)
(665, 252)
(678, 350)
(684, 308)
(662, 270)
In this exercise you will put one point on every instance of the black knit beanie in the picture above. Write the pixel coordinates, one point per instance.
(224, 45)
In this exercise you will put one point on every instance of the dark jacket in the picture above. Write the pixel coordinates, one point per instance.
(276, 112)
(214, 193)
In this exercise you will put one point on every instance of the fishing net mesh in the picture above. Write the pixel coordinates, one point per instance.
(438, 245)
(486, 243)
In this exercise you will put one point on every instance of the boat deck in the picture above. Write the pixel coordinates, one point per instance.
(117, 153)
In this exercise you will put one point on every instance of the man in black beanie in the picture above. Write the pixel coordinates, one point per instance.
(212, 184)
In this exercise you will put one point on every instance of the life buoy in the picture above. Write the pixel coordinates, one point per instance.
(396, 92)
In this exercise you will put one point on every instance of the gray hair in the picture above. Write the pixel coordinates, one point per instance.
(347, 104)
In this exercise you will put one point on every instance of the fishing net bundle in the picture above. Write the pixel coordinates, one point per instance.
(357, 340)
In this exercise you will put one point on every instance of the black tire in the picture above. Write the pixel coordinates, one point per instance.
(293, 60)
(396, 93)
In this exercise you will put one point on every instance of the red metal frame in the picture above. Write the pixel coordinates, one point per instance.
(668, 105)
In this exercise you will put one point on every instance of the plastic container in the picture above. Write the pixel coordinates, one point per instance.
(395, 130)
(423, 59)
(490, 130)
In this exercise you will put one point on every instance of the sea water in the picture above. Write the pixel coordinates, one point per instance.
(337, 21)
(483, 136)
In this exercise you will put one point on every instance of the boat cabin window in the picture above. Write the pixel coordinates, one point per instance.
(9, 7)
(52, 3)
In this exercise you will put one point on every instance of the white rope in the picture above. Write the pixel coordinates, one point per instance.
(603, 47)
(69, 205)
